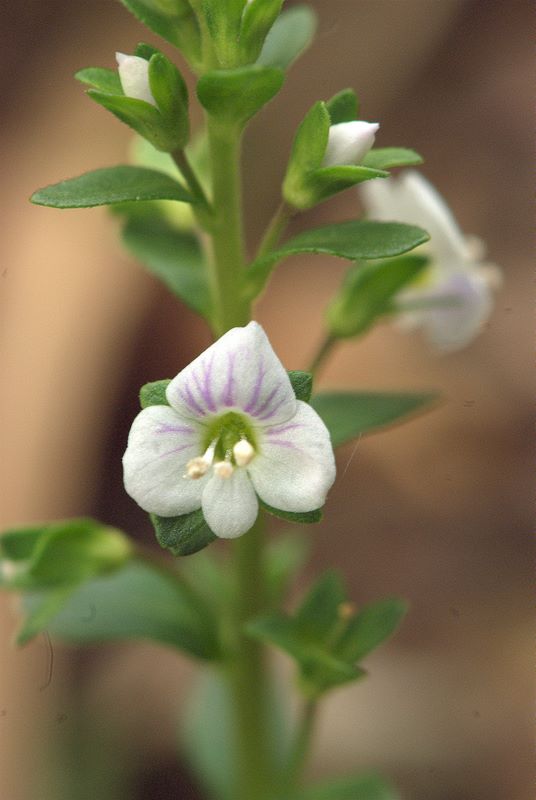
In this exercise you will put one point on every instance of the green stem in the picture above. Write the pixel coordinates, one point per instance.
(322, 353)
(275, 229)
(230, 308)
(248, 677)
(202, 209)
(301, 745)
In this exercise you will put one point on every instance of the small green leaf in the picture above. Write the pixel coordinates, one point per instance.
(111, 185)
(154, 393)
(344, 107)
(356, 239)
(135, 602)
(318, 613)
(146, 51)
(169, 90)
(388, 157)
(327, 181)
(289, 37)
(306, 517)
(235, 95)
(373, 624)
(307, 153)
(350, 414)
(302, 383)
(367, 293)
(363, 787)
(173, 20)
(74, 550)
(172, 255)
(257, 19)
(19, 544)
(144, 118)
(183, 535)
(38, 618)
(104, 80)
(223, 19)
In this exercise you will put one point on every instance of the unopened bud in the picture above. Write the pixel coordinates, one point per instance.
(134, 77)
(349, 142)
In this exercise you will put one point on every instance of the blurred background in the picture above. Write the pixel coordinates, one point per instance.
(436, 511)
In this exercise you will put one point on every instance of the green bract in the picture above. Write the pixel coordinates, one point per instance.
(235, 95)
(326, 636)
(174, 20)
(367, 292)
(289, 37)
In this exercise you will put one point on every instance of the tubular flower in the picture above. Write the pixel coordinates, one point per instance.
(233, 432)
(134, 77)
(349, 142)
(454, 297)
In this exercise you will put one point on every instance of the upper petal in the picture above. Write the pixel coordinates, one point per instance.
(230, 505)
(160, 444)
(239, 372)
(453, 327)
(295, 467)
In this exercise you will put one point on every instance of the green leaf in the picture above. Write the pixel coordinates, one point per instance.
(344, 107)
(173, 20)
(302, 383)
(183, 535)
(135, 602)
(223, 19)
(19, 544)
(356, 239)
(374, 624)
(257, 19)
(327, 181)
(104, 80)
(42, 611)
(388, 157)
(172, 255)
(144, 118)
(364, 787)
(367, 293)
(146, 51)
(350, 414)
(306, 517)
(71, 551)
(154, 393)
(307, 153)
(235, 95)
(169, 90)
(111, 185)
(289, 37)
(318, 613)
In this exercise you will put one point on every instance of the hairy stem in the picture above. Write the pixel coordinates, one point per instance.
(201, 208)
(275, 229)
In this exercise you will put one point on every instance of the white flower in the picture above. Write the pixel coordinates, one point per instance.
(349, 142)
(458, 286)
(233, 431)
(134, 77)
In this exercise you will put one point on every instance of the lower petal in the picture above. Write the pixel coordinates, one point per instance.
(230, 505)
(160, 444)
(295, 467)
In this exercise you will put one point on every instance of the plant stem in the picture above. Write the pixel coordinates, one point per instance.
(301, 745)
(275, 229)
(322, 353)
(202, 208)
(227, 266)
(248, 679)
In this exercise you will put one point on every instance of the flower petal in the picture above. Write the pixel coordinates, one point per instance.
(160, 444)
(349, 142)
(230, 505)
(451, 328)
(239, 372)
(295, 467)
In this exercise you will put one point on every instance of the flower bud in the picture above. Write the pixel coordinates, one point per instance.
(349, 142)
(134, 76)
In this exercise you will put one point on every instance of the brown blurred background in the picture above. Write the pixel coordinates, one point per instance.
(436, 511)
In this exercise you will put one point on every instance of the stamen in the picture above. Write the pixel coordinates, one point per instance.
(243, 452)
(223, 469)
(199, 466)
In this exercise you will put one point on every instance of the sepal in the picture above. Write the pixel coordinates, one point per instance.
(173, 20)
(257, 20)
(183, 535)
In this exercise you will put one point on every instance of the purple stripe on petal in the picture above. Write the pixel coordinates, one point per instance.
(190, 401)
(256, 389)
(201, 389)
(207, 389)
(174, 429)
(227, 397)
(278, 429)
(267, 402)
(269, 414)
(175, 450)
(283, 443)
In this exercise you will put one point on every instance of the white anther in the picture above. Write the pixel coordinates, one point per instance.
(243, 453)
(199, 466)
(223, 469)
